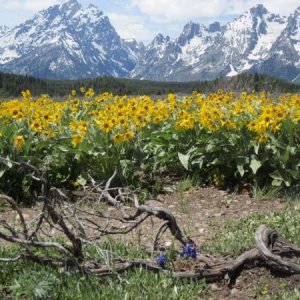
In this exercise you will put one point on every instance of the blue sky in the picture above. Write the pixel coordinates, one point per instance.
(143, 19)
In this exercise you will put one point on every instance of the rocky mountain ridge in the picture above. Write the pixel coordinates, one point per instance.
(68, 41)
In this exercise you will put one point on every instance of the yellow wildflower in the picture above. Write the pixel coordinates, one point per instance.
(128, 135)
(90, 93)
(19, 142)
(262, 138)
(76, 139)
(118, 138)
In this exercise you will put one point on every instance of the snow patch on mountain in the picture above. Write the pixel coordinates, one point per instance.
(3, 29)
(274, 26)
(196, 45)
(232, 72)
(8, 55)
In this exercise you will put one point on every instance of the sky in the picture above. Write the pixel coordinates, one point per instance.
(144, 19)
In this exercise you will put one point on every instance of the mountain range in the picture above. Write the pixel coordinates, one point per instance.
(68, 41)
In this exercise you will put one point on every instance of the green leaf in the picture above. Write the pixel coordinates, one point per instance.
(278, 179)
(256, 148)
(77, 156)
(294, 173)
(276, 175)
(2, 172)
(184, 159)
(216, 162)
(8, 162)
(276, 182)
(255, 165)
(198, 161)
(82, 181)
(241, 161)
(241, 170)
(63, 148)
(285, 157)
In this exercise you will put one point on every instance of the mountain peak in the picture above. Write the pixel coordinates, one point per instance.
(93, 6)
(70, 3)
(159, 39)
(70, 7)
(214, 27)
(66, 41)
(3, 29)
(190, 30)
(293, 27)
(258, 10)
(191, 27)
(93, 10)
(297, 11)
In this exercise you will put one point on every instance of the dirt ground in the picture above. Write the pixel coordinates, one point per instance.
(201, 213)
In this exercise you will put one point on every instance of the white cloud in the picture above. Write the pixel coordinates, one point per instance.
(283, 8)
(32, 5)
(131, 26)
(143, 19)
(151, 17)
(170, 11)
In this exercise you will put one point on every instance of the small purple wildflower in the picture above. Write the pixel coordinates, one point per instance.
(189, 251)
(161, 260)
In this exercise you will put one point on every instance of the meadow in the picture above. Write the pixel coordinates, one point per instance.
(223, 139)
(239, 142)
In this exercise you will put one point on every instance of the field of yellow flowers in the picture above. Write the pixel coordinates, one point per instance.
(222, 138)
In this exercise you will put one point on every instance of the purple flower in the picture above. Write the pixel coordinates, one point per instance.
(161, 260)
(189, 251)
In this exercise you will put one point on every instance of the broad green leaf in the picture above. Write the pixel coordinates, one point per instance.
(2, 172)
(278, 179)
(81, 180)
(276, 182)
(184, 159)
(255, 165)
(216, 162)
(8, 162)
(241, 170)
(295, 174)
(63, 149)
(77, 156)
(256, 148)
(241, 162)
(285, 157)
(276, 175)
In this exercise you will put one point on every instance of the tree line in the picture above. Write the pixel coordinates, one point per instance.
(12, 85)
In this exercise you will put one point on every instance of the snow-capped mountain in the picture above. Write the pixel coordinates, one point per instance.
(166, 59)
(3, 29)
(66, 41)
(284, 56)
(206, 53)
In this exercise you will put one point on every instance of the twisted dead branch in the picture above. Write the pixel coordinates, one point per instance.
(80, 226)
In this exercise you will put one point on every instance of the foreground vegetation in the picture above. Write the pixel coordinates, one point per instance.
(238, 141)
(33, 281)
(29, 280)
(229, 140)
